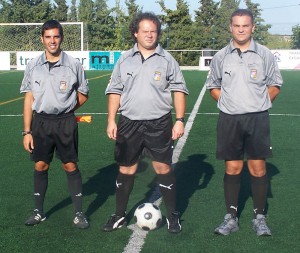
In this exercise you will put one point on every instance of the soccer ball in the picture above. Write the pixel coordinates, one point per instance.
(148, 216)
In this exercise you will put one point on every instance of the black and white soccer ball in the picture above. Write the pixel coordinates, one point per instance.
(148, 216)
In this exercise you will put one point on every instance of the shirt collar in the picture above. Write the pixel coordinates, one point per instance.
(158, 50)
(43, 58)
(252, 47)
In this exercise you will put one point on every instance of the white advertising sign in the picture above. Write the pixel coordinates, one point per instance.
(82, 56)
(24, 57)
(5, 61)
(204, 62)
(287, 59)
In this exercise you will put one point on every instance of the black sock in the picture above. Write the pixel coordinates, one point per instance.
(75, 189)
(232, 185)
(259, 188)
(124, 186)
(167, 186)
(40, 181)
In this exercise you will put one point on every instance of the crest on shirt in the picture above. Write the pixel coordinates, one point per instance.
(63, 85)
(157, 76)
(253, 73)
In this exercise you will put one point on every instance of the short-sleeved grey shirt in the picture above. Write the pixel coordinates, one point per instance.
(54, 90)
(145, 86)
(243, 78)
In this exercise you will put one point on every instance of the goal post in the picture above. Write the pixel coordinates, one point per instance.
(26, 36)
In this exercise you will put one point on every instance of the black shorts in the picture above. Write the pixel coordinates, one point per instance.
(152, 136)
(243, 136)
(57, 133)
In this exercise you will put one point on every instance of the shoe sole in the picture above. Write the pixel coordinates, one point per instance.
(217, 232)
(174, 231)
(114, 229)
(81, 227)
(30, 225)
(264, 234)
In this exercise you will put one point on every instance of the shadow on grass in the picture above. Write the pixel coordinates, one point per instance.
(102, 184)
(191, 175)
(245, 192)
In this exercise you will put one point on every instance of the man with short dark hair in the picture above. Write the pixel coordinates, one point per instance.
(244, 79)
(141, 88)
(55, 86)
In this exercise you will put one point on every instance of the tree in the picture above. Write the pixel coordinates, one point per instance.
(179, 31)
(85, 11)
(102, 27)
(278, 41)
(85, 14)
(60, 10)
(24, 11)
(222, 22)
(40, 12)
(296, 37)
(132, 10)
(119, 19)
(6, 11)
(204, 24)
(261, 31)
(177, 23)
(73, 12)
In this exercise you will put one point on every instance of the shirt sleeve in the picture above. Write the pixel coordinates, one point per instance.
(176, 79)
(26, 85)
(214, 77)
(82, 80)
(115, 84)
(273, 75)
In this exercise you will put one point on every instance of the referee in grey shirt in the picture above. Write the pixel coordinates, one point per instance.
(55, 86)
(141, 88)
(244, 78)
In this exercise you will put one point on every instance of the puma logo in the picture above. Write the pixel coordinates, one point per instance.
(228, 73)
(166, 186)
(118, 184)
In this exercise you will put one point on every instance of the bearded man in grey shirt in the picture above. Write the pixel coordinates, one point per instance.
(244, 79)
(141, 88)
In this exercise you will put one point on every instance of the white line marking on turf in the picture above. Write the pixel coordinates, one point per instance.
(271, 114)
(181, 142)
(137, 239)
(198, 113)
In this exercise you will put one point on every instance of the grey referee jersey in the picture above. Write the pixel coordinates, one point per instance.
(145, 87)
(244, 78)
(54, 90)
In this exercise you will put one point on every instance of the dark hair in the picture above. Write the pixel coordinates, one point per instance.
(50, 24)
(242, 12)
(140, 16)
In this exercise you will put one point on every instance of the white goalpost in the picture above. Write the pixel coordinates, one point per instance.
(26, 36)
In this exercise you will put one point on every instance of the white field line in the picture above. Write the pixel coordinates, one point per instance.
(198, 113)
(137, 238)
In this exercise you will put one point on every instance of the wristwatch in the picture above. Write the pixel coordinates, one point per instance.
(26, 132)
(180, 119)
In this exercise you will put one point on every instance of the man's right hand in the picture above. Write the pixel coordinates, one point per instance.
(112, 130)
(28, 143)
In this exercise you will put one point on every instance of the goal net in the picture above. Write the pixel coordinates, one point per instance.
(26, 36)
